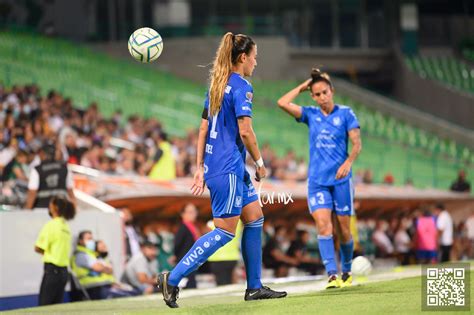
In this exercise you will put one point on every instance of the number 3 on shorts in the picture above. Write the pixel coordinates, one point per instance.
(320, 196)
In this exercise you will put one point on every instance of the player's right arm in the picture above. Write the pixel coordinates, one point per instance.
(285, 102)
(198, 184)
(250, 141)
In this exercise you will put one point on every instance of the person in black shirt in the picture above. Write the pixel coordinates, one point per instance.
(461, 184)
(49, 179)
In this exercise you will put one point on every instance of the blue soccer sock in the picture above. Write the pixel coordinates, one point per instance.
(346, 252)
(326, 249)
(252, 252)
(204, 247)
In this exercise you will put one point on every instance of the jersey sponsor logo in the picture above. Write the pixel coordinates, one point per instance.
(217, 238)
(193, 256)
(227, 89)
(336, 121)
(246, 108)
(206, 244)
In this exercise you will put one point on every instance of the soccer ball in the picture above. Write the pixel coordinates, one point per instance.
(145, 45)
(361, 266)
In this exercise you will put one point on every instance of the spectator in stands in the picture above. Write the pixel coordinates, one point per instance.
(461, 184)
(368, 177)
(402, 242)
(426, 238)
(17, 169)
(184, 239)
(50, 178)
(470, 234)
(93, 274)
(445, 226)
(54, 243)
(274, 256)
(461, 243)
(384, 247)
(299, 250)
(132, 237)
(388, 179)
(141, 269)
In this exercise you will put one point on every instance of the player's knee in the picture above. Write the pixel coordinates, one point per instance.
(325, 229)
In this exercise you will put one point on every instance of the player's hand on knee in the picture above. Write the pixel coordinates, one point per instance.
(260, 173)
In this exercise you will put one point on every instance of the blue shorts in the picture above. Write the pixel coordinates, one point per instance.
(229, 194)
(339, 198)
(250, 194)
(426, 254)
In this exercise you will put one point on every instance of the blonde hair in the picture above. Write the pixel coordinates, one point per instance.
(220, 73)
(230, 48)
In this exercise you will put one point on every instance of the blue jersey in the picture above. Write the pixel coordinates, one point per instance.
(225, 152)
(328, 140)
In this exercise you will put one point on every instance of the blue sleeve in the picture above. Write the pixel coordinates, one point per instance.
(305, 113)
(243, 101)
(351, 120)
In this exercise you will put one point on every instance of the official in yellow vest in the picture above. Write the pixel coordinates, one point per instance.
(54, 243)
(92, 274)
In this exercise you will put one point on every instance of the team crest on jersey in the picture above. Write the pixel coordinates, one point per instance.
(238, 201)
(249, 96)
(336, 121)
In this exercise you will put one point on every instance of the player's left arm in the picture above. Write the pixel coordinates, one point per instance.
(345, 168)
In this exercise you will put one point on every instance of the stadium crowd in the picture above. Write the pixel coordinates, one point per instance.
(132, 146)
(116, 145)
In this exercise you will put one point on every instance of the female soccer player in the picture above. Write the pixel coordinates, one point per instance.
(329, 176)
(224, 135)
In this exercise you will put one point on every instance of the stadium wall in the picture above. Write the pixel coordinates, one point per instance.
(191, 58)
(433, 97)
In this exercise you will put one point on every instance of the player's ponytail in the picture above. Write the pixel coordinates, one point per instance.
(220, 73)
(318, 76)
(229, 52)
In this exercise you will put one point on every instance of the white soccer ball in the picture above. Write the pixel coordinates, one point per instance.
(361, 266)
(145, 45)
